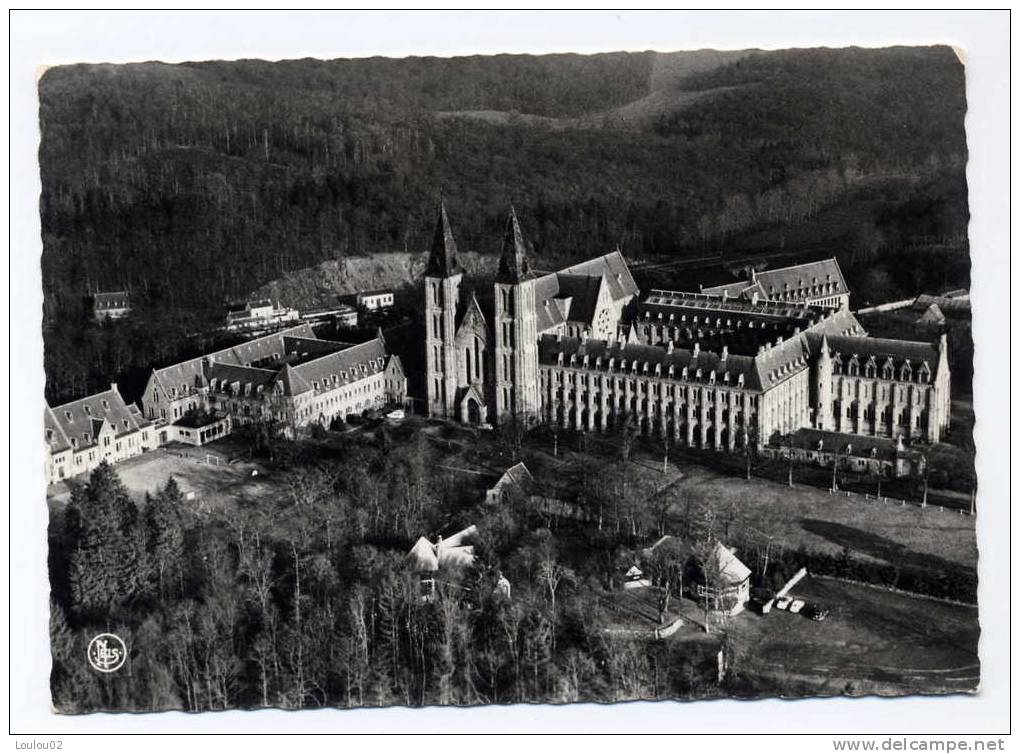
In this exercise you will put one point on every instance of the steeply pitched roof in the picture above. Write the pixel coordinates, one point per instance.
(82, 419)
(470, 311)
(190, 373)
(454, 552)
(625, 355)
(422, 556)
(518, 476)
(349, 365)
(293, 382)
(898, 350)
(795, 283)
(226, 374)
(581, 284)
(614, 267)
(443, 260)
(728, 566)
(514, 266)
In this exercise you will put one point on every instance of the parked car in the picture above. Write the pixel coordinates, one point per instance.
(396, 414)
(814, 612)
(797, 605)
(783, 603)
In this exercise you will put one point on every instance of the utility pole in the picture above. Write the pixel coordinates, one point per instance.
(835, 465)
(924, 496)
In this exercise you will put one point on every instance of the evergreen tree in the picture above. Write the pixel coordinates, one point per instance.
(164, 528)
(109, 565)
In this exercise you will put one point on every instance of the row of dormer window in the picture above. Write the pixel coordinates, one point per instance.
(888, 372)
(635, 365)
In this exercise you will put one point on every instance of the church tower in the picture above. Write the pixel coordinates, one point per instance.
(516, 330)
(443, 275)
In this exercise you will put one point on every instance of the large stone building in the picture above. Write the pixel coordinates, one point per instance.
(83, 433)
(290, 378)
(578, 349)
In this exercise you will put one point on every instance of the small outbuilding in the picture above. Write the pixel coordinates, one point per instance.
(454, 553)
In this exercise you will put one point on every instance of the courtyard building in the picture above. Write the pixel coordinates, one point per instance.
(579, 349)
(290, 379)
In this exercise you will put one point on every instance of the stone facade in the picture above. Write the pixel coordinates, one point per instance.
(577, 349)
(83, 433)
(290, 378)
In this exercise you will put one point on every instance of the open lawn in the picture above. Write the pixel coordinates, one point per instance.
(808, 516)
(213, 485)
(873, 641)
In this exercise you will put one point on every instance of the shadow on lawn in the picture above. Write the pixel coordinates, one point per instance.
(880, 547)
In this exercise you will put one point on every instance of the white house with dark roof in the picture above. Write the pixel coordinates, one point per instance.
(83, 433)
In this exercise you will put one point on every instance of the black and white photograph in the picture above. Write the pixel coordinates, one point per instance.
(416, 381)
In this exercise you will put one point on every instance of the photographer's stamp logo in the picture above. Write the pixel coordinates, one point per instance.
(107, 653)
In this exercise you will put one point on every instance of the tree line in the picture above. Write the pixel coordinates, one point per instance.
(196, 183)
(304, 599)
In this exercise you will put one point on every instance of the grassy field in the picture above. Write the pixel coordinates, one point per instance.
(205, 484)
(808, 516)
(873, 642)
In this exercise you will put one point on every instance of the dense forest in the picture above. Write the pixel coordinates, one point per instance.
(193, 184)
(306, 600)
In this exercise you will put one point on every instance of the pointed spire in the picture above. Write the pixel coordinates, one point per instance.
(513, 256)
(443, 260)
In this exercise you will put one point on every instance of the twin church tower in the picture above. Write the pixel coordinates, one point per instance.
(476, 374)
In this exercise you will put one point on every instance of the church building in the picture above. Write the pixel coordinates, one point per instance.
(579, 349)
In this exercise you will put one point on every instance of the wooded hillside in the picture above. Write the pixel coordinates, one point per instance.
(196, 183)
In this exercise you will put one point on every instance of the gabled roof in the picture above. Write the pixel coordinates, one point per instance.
(883, 348)
(292, 381)
(798, 282)
(84, 418)
(614, 267)
(231, 373)
(518, 476)
(454, 552)
(443, 260)
(514, 266)
(422, 556)
(600, 352)
(728, 566)
(932, 315)
(348, 365)
(572, 294)
(191, 374)
(470, 311)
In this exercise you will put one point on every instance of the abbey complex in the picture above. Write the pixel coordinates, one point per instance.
(721, 368)
(729, 367)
